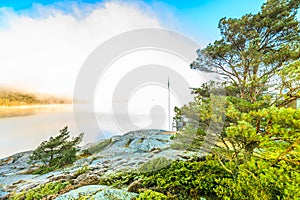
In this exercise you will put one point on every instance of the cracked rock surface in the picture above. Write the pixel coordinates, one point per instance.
(122, 152)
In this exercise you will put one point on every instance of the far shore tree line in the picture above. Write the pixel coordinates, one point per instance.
(16, 98)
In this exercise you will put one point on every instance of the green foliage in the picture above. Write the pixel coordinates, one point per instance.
(271, 134)
(260, 153)
(290, 78)
(180, 180)
(256, 179)
(58, 151)
(112, 196)
(154, 164)
(149, 195)
(119, 179)
(44, 169)
(259, 145)
(41, 192)
(100, 146)
(254, 48)
(259, 179)
(191, 136)
(82, 170)
(186, 180)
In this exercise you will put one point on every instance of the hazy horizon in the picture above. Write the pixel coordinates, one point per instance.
(31, 130)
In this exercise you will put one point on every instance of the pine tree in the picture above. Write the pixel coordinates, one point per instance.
(57, 151)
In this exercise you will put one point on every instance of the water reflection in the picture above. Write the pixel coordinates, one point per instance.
(27, 132)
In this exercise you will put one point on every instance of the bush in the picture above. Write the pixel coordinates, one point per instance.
(154, 164)
(149, 195)
(82, 170)
(187, 180)
(119, 179)
(180, 180)
(44, 170)
(260, 180)
(41, 191)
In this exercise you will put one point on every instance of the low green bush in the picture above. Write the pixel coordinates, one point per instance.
(119, 179)
(150, 195)
(154, 164)
(186, 180)
(179, 180)
(82, 170)
(41, 192)
(44, 169)
(258, 179)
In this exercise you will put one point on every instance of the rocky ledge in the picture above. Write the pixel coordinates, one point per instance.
(125, 152)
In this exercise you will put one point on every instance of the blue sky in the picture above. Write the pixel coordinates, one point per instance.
(196, 18)
(200, 18)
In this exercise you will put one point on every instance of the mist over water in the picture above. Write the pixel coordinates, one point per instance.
(24, 133)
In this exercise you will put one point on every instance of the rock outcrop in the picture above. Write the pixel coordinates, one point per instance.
(127, 151)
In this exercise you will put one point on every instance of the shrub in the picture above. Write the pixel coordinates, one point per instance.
(260, 180)
(149, 195)
(82, 170)
(186, 180)
(44, 169)
(41, 191)
(154, 164)
(119, 179)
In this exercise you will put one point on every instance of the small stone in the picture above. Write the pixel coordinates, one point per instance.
(155, 150)
(19, 182)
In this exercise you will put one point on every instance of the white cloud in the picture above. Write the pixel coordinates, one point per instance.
(43, 49)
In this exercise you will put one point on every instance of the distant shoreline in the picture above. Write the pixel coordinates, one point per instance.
(26, 110)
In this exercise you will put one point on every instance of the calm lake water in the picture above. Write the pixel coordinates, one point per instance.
(23, 133)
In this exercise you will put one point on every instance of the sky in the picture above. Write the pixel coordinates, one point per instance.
(197, 18)
(44, 42)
